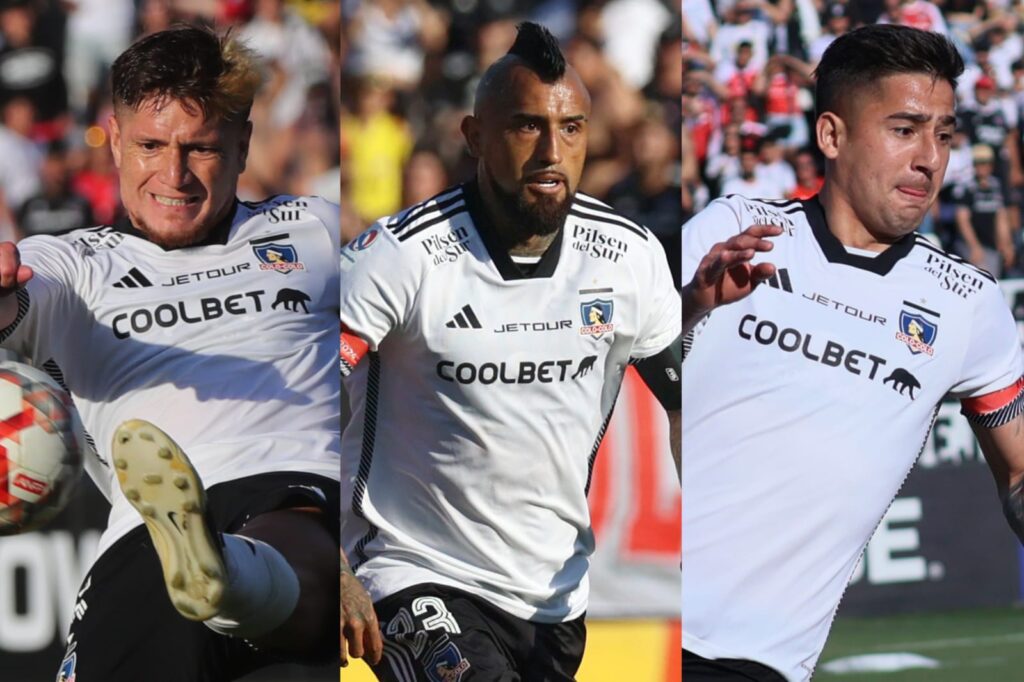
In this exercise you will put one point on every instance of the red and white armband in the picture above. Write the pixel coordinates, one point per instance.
(352, 349)
(996, 408)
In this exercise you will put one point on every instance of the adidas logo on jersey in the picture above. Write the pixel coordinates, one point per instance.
(464, 319)
(780, 280)
(133, 280)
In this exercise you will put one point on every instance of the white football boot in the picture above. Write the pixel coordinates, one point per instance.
(159, 481)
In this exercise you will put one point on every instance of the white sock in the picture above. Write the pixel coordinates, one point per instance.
(261, 592)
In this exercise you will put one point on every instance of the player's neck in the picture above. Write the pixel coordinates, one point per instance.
(844, 223)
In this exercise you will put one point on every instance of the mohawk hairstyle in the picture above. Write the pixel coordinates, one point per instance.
(189, 65)
(539, 50)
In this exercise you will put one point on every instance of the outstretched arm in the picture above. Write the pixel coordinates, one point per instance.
(725, 274)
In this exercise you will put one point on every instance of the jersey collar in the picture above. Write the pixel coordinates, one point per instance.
(218, 235)
(507, 268)
(835, 252)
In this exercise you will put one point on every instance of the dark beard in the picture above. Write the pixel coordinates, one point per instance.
(541, 218)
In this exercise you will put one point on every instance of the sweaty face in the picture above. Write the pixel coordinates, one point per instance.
(890, 156)
(530, 141)
(178, 170)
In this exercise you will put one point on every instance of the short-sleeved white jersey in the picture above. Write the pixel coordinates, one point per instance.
(805, 405)
(231, 348)
(478, 412)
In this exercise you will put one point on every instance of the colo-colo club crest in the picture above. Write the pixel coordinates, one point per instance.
(281, 258)
(917, 331)
(597, 317)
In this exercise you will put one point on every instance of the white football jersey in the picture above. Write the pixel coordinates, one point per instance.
(230, 348)
(805, 406)
(480, 408)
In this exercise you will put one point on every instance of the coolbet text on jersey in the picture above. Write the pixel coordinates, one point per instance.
(806, 404)
(230, 348)
(480, 407)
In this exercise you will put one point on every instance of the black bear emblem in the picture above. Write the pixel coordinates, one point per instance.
(291, 299)
(903, 380)
(586, 365)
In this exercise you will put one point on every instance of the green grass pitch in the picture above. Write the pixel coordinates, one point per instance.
(970, 646)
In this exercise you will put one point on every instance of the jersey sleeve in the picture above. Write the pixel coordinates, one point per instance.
(379, 282)
(716, 223)
(48, 305)
(990, 386)
(330, 215)
(663, 318)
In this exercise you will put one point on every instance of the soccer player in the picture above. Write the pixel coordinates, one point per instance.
(200, 325)
(497, 319)
(825, 334)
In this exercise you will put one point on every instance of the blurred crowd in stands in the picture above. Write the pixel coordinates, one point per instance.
(410, 69)
(56, 170)
(748, 109)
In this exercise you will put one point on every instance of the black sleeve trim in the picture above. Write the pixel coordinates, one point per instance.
(23, 305)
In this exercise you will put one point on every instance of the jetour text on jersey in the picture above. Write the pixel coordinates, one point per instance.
(167, 315)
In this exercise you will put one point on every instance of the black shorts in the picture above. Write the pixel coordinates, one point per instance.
(434, 633)
(125, 628)
(699, 669)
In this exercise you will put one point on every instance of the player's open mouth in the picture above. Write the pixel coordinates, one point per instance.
(171, 201)
(546, 183)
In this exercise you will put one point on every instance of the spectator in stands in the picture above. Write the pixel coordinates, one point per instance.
(391, 39)
(778, 84)
(984, 236)
(20, 159)
(743, 23)
(808, 175)
(724, 158)
(97, 32)
(751, 183)
(986, 122)
(56, 208)
(735, 78)
(31, 63)
(919, 14)
(837, 22)
(378, 144)
(774, 167)
(650, 191)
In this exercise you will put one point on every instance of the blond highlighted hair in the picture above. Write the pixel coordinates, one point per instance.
(190, 65)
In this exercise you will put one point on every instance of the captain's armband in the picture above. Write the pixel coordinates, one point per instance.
(661, 374)
(997, 408)
(352, 348)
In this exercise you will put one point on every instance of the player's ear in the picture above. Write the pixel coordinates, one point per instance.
(115, 139)
(470, 128)
(831, 132)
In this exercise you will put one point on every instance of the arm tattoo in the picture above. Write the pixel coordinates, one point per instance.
(1013, 508)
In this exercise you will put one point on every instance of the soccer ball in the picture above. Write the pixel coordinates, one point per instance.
(42, 445)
